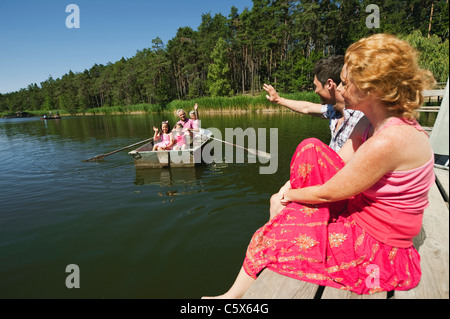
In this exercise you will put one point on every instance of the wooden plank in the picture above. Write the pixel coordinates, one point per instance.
(333, 293)
(433, 246)
(428, 111)
(429, 93)
(271, 285)
(306, 290)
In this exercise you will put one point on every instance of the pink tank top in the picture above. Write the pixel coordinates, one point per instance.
(391, 210)
(181, 140)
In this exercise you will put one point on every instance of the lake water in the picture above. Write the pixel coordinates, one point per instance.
(155, 233)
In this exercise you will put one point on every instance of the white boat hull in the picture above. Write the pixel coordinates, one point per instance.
(144, 157)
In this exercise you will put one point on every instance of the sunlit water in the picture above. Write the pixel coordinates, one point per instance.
(155, 233)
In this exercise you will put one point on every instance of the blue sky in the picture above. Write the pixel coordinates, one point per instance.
(35, 42)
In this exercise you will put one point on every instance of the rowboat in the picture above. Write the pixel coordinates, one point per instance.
(145, 157)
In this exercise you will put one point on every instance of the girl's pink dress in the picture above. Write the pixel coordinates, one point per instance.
(181, 139)
(328, 245)
(165, 140)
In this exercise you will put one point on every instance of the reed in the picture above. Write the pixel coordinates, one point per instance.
(219, 104)
(240, 102)
(119, 109)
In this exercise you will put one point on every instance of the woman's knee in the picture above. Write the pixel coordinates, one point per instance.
(274, 199)
(275, 205)
(311, 140)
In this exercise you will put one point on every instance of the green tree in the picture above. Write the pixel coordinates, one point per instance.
(434, 54)
(3, 104)
(440, 19)
(210, 29)
(34, 98)
(274, 41)
(219, 71)
(84, 97)
(182, 51)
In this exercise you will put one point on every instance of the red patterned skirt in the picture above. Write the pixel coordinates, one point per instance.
(322, 244)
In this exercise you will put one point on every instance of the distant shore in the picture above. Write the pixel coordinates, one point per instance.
(203, 111)
(279, 109)
(235, 104)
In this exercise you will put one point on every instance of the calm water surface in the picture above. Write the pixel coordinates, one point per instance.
(158, 233)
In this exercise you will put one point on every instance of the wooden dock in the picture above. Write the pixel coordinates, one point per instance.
(432, 244)
(432, 96)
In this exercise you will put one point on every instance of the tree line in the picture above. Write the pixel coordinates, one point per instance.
(276, 41)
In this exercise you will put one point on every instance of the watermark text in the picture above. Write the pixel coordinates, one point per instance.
(73, 19)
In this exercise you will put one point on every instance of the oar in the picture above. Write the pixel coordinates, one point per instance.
(250, 150)
(101, 157)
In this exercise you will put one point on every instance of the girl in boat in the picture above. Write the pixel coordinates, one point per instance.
(180, 137)
(194, 115)
(347, 220)
(166, 138)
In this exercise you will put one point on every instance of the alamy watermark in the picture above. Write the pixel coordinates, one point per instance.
(235, 148)
(73, 280)
(373, 278)
(373, 19)
(73, 19)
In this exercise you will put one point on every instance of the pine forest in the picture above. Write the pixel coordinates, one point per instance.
(275, 41)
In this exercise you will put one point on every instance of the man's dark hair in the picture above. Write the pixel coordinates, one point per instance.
(329, 68)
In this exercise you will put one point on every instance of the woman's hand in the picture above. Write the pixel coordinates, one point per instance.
(284, 201)
(277, 202)
(287, 186)
(282, 191)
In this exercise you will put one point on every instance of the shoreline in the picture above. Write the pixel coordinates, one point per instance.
(239, 104)
(203, 111)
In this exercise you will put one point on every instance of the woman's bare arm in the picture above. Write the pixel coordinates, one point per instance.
(373, 159)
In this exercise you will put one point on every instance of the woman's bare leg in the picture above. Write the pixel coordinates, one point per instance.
(275, 205)
(240, 286)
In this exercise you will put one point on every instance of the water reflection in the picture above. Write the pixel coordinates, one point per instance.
(168, 177)
(56, 209)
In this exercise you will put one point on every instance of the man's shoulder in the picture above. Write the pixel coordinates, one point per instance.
(329, 112)
(354, 113)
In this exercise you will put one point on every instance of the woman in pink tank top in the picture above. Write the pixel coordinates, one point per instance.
(347, 221)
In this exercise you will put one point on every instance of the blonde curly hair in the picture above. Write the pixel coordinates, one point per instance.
(385, 67)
